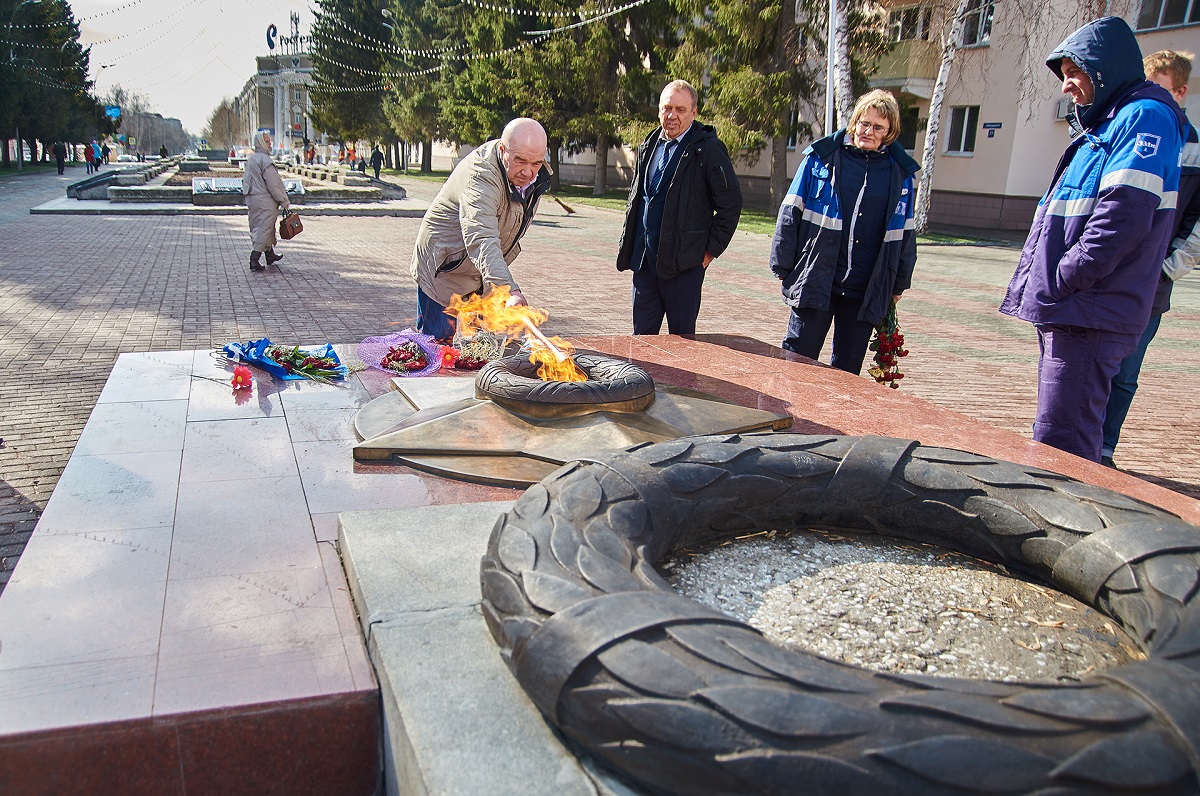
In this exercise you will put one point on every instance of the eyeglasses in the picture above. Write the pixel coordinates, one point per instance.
(866, 127)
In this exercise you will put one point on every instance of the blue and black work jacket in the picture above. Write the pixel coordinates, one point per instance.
(808, 233)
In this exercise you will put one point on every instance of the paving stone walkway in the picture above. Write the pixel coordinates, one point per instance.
(77, 291)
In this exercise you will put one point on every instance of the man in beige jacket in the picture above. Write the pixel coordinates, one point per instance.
(472, 231)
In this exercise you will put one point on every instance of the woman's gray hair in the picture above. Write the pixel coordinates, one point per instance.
(260, 141)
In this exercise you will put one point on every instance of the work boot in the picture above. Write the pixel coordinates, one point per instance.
(272, 257)
(256, 261)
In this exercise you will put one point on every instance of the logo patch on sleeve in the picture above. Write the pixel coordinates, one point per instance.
(1146, 145)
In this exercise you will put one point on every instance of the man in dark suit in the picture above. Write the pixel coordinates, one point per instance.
(684, 205)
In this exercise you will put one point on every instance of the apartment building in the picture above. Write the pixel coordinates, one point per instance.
(1002, 126)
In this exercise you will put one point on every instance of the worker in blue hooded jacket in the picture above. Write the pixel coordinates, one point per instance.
(1089, 269)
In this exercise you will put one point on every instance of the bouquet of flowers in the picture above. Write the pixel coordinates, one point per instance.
(472, 353)
(404, 358)
(404, 353)
(320, 363)
(324, 368)
(888, 345)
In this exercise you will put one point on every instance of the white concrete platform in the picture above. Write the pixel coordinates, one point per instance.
(456, 721)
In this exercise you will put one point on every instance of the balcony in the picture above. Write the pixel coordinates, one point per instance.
(910, 67)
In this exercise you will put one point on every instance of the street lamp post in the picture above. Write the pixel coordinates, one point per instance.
(829, 81)
(12, 59)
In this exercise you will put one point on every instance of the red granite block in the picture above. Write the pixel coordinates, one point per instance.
(321, 746)
(122, 759)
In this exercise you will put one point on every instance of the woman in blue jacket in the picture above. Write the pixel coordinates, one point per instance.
(844, 244)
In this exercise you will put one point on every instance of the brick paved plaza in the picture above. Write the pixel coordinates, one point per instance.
(76, 291)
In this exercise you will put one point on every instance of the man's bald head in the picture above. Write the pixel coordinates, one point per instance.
(523, 150)
(524, 133)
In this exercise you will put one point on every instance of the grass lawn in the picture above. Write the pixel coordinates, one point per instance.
(11, 168)
(751, 221)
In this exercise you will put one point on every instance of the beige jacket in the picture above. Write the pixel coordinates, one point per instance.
(265, 195)
(470, 234)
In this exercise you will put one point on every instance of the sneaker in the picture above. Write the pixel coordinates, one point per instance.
(1107, 461)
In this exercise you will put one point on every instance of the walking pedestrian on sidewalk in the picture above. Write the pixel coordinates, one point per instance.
(1087, 274)
(845, 245)
(60, 156)
(376, 161)
(265, 197)
(1171, 70)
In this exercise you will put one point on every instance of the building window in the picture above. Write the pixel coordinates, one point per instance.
(910, 125)
(1165, 13)
(793, 128)
(977, 26)
(299, 95)
(963, 121)
(909, 23)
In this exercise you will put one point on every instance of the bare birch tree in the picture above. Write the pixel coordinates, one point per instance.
(950, 42)
(1033, 27)
(843, 90)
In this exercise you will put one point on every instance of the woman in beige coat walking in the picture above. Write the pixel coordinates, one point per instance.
(265, 196)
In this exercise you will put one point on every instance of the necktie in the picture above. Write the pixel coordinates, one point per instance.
(656, 177)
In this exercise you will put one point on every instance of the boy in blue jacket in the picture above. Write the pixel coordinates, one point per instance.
(1087, 274)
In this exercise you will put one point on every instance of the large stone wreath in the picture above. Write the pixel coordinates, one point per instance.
(515, 378)
(684, 699)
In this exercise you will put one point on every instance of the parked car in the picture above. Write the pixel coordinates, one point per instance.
(127, 159)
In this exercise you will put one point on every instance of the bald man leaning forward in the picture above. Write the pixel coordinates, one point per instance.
(471, 233)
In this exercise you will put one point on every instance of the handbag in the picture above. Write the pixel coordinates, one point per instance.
(290, 226)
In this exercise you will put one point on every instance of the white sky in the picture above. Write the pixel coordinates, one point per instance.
(184, 55)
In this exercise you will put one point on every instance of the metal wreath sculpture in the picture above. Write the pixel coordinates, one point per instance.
(610, 381)
(683, 699)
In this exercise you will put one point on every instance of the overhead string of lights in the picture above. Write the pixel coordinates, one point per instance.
(389, 48)
(538, 37)
(154, 24)
(378, 85)
(589, 20)
(31, 46)
(112, 11)
(191, 68)
(385, 46)
(55, 23)
(388, 76)
(54, 82)
(154, 41)
(527, 12)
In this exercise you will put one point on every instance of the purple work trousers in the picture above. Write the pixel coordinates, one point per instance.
(1075, 372)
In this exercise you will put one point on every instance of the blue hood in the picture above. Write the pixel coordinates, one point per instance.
(1108, 52)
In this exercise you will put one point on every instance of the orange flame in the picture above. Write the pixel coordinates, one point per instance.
(490, 313)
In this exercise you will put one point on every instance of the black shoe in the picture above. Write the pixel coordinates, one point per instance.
(256, 262)
(272, 257)
(1107, 461)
